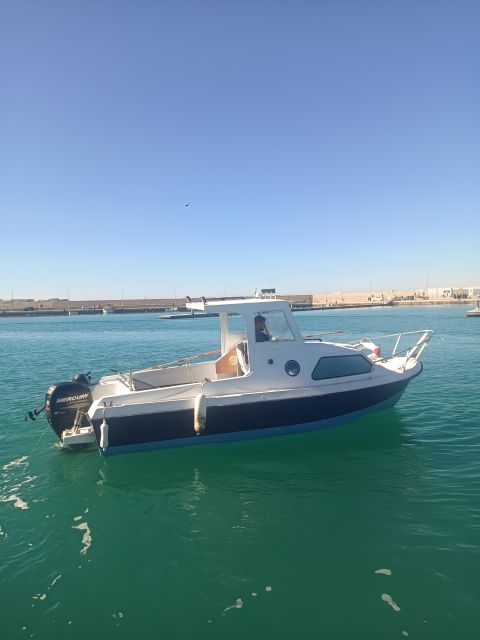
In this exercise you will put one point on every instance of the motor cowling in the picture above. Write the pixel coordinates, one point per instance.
(62, 402)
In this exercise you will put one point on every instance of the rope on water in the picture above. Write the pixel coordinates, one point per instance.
(40, 437)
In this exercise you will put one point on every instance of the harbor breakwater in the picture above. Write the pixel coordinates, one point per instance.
(36, 312)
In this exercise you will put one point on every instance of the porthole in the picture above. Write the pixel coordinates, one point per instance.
(292, 368)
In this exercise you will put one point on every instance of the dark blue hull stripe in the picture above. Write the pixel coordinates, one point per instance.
(250, 434)
(259, 419)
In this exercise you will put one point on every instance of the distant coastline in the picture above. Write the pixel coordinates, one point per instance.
(300, 302)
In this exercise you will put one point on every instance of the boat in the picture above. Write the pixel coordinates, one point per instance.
(266, 379)
(108, 308)
(89, 310)
(475, 312)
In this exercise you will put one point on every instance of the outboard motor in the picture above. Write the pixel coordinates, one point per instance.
(63, 400)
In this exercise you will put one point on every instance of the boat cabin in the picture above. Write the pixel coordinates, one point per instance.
(252, 332)
(260, 343)
(261, 347)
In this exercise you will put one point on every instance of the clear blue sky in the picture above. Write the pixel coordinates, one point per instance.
(319, 144)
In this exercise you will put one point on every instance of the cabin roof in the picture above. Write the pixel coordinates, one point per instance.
(252, 305)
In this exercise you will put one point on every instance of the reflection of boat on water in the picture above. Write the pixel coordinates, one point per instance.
(267, 379)
(475, 312)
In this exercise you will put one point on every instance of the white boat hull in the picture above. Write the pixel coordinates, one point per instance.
(241, 417)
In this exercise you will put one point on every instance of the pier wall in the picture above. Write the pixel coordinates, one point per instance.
(62, 306)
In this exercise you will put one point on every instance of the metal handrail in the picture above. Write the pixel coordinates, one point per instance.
(410, 352)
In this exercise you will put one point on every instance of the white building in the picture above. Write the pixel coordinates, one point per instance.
(453, 292)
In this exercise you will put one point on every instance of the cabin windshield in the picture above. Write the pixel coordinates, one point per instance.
(272, 325)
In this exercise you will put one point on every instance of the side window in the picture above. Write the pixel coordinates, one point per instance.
(237, 325)
(273, 327)
(340, 366)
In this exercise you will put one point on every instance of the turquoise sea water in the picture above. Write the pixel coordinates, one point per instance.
(370, 530)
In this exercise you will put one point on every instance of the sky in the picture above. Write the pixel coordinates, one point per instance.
(204, 147)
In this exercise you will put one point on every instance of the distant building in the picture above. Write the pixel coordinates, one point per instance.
(457, 293)
(473, 292)
(440, 292)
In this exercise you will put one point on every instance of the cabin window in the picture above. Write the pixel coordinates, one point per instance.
(341, 366)
(236, 332)
(237, 325)
(274, 326)
(234, 358)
